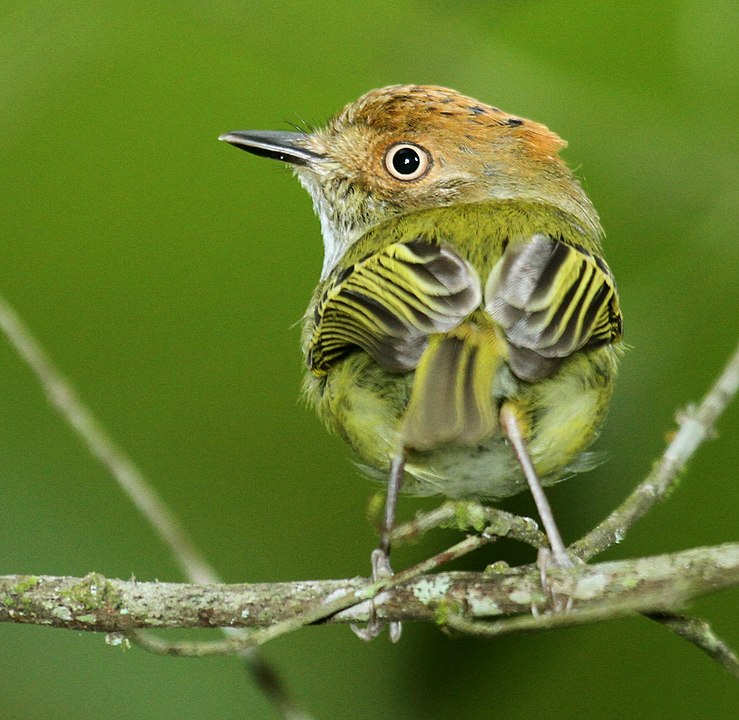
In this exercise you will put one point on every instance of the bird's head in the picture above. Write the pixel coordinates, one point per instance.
(406, 148)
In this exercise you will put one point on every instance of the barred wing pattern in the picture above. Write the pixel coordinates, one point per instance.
(389, 303)
(552, 299)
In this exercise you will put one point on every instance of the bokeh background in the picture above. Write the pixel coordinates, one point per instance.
(165, 272)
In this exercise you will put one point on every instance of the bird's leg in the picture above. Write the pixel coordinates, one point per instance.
(397, 470)
(509, 420)
(380, 557)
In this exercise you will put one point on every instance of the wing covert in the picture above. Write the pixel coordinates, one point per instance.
(388, 303)
(552, 299)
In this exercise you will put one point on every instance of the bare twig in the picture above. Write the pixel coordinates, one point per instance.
(139, 490)
(700, 633)
(696, 425)
(132, 481)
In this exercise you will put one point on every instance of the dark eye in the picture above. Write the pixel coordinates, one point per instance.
(407, 162)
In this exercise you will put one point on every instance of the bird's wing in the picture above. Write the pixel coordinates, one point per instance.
(552, 299)
(388, 304)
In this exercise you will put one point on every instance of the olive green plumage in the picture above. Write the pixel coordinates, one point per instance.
(454, 447)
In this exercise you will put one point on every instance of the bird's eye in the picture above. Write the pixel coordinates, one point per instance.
(407, 162)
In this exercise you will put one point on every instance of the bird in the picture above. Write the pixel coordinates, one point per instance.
(465, 333)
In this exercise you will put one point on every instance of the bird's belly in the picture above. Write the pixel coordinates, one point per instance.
(365, 405)
(487, 470)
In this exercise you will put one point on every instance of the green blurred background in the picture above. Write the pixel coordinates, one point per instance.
(164, 272)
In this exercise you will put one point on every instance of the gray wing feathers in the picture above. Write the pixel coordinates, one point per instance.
(551, 299)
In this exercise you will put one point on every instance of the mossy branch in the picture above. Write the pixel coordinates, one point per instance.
(659, 584)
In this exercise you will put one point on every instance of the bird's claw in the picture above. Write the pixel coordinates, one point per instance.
(560, 602)
(380, 569)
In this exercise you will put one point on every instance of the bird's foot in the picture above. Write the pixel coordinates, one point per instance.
(380, 569)
(545, 560)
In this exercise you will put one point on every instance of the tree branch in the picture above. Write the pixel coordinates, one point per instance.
(696, 425)
(659, 584)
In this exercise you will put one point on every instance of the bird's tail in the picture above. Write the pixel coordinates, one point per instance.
(452, 399)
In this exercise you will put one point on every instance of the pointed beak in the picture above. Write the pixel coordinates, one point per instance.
(284, 146)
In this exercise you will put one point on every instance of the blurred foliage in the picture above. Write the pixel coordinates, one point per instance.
(165, 271)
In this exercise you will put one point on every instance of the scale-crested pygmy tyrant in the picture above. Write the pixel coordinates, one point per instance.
(464, 334)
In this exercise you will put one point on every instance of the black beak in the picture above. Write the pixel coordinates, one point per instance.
(284, 146)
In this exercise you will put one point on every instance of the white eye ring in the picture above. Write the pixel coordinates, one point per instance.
(405, 161)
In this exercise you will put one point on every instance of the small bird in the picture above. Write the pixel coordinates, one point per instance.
(465, 332)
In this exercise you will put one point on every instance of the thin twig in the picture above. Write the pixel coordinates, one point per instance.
(132, 481)
(422, 523)
(472, 516)
(696, 425)
(699, 633)
(139, 490)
